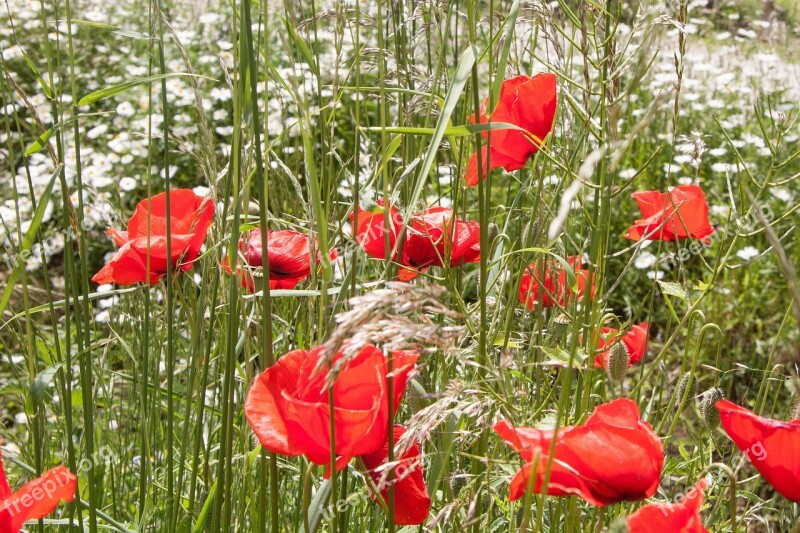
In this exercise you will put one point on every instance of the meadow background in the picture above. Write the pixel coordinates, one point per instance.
(292, 114)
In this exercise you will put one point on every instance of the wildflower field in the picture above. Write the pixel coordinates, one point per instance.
(404, 265)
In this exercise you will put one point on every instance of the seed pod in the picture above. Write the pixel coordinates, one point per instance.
(457, 482)
(681, 388)
(413, 397)
(561, 323)
(708, 409)
(618, 359)
(520, 514)
(494, 231)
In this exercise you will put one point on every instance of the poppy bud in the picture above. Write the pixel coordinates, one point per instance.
(457, 482)
(796, 410)
(413, 396)
(493, 231)
(708, 409)
(618, 358)
(680, 390)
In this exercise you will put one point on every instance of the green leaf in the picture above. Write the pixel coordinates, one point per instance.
(92, 24)
(394, 144)
(671, 288)
(450, 131)
(316, 507)
(560, 357)
(28, 239)
(302, 47)
(43, 379)
(40, 142)
(200, 525)
(48, 92)
(499, 76)
(684, 454)
(108, 92)
(114, 29)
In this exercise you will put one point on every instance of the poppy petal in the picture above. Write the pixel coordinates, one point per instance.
(412, 503)
(770, 445)
(683, 516)
(38, 498)
(265, 408)
(614, 456)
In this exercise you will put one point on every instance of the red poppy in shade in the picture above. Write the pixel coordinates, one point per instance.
(635, 341)
(526, 102)
(190, 218)
(435, 235)
(773, 446)
(683, 517)
(369, 228)
(552, 286)
(289, 258)
(613, 457)
(36, 499)
(678, 214)
(411, 501)
(288, 409)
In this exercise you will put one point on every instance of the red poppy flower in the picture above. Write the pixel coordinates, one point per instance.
(289, 258)
(613, 457)
(635, 341)
(683, 517)
(288, 409)
(678, 214)
(771, 445)
(190, 217)
(529, 103)
(36, 499)
(411, 501)
(554, 282)
(430, 238)
(369, 228)
(436, 234)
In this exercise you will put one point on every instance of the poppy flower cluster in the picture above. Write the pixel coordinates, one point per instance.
(289, 411)
(36, 499)
(146, 240)
(288, 258)
(772, 446)
(615, 456)
(547, 285)
(434, 237)
(678, 214)
(526, 102)
(634, 340)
